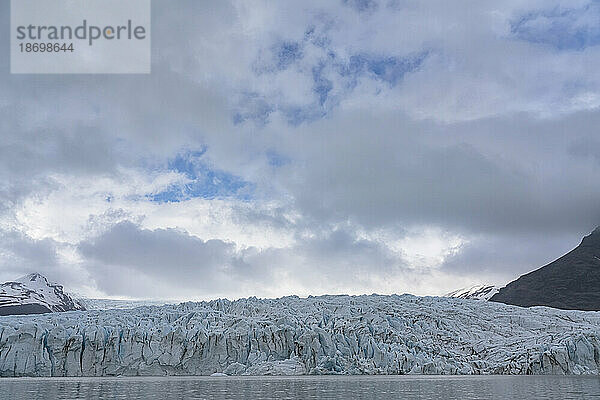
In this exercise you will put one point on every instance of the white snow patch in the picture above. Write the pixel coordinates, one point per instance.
(477, 292)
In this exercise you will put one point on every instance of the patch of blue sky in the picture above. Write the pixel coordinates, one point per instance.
(561, 28)
(361, 5)
(298, 114)
(277, 159)
(253, 107)
(384, 68)
(387, 69)
(287, 53)
(333, 77)
(318, 37)
(279, 57)
(322, 86)
(202, 181)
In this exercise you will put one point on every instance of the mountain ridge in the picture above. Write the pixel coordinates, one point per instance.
(35, 294)
(477, 292)
(571, 282)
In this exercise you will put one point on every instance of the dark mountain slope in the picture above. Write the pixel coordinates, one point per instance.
(572, 282)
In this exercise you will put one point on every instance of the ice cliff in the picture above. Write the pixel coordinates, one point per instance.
(316, 335)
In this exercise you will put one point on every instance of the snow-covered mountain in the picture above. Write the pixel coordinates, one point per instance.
(316, 335)
(34, 294)
(477, 292)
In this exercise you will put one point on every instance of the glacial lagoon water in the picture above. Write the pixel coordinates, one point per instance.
(305, 387)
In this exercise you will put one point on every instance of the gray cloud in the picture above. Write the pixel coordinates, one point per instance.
(491, 137)
(128, 260)
(501, 258)
(22, 254)
(387, 169)
(163, 259)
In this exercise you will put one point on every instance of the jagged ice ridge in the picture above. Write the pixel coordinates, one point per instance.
(316, 335)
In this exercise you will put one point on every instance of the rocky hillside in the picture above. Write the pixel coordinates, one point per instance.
(572, 282)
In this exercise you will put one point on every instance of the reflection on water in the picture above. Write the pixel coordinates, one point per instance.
(312, 387)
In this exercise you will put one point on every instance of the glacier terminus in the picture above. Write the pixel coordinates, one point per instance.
(375, 334)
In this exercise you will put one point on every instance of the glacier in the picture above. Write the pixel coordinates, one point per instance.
(112, 304)
(375, 334)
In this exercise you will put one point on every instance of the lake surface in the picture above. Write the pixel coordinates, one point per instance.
(306, 387)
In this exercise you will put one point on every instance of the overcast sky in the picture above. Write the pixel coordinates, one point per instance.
(309, 147)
